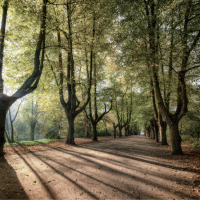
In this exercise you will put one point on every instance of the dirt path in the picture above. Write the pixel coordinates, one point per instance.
(130, 168)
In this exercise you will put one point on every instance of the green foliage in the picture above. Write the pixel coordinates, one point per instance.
(102, 132)
(196, 145)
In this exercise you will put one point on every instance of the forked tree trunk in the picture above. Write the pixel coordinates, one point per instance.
(94, 132)
(163, 136)
(175, 139)
(70, 135)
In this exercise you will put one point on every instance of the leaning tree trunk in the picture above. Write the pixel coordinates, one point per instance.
(70, 135)
(175, 139)
(94, 125)
(163, 136)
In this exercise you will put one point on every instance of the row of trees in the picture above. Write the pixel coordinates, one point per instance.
(137, 58)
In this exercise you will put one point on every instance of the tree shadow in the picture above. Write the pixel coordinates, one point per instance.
(10, 187)
(134, 195)
(114, 172)
(141, 153)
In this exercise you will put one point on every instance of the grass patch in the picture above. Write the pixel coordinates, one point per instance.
(35, 142)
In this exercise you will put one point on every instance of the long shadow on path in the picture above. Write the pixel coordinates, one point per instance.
(10, 187)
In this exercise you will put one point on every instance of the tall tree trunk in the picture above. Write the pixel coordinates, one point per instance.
(126, 131)
(3, 111)
(152, 133)
(114, 131)
(156, 131)
(70, 135)
(12, 129)
(120, 131)
(163, 136)
(7, 136)
(32, 127)
(86, 127)
(175, 139)
(147, 133)
(94, 131)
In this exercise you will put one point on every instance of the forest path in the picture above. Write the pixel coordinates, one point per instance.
(133, 167)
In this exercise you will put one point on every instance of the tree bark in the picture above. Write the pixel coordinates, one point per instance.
(114, 132)
(163, 136)
(125, 131)
(152, 133)
(12, 129)
(86, 126)
(32, 127)
(3, 111)
(156, 131)
(70, 135)
(4, 105)
(120, 131)
(94, 132)
(175, 139)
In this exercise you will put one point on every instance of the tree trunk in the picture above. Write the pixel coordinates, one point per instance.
(33, 124)
(130, 131)
(70, 135)
(175, 139)
(94, 125)
(156, 132)
(149, 134)
(12, 129)
(163, 136)
(106, 132)
(125, 131)
(7, 136)
(120, 131)
(114, 132)
(3, 110)
(12, 133)
(152, 133)
(86, 126)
